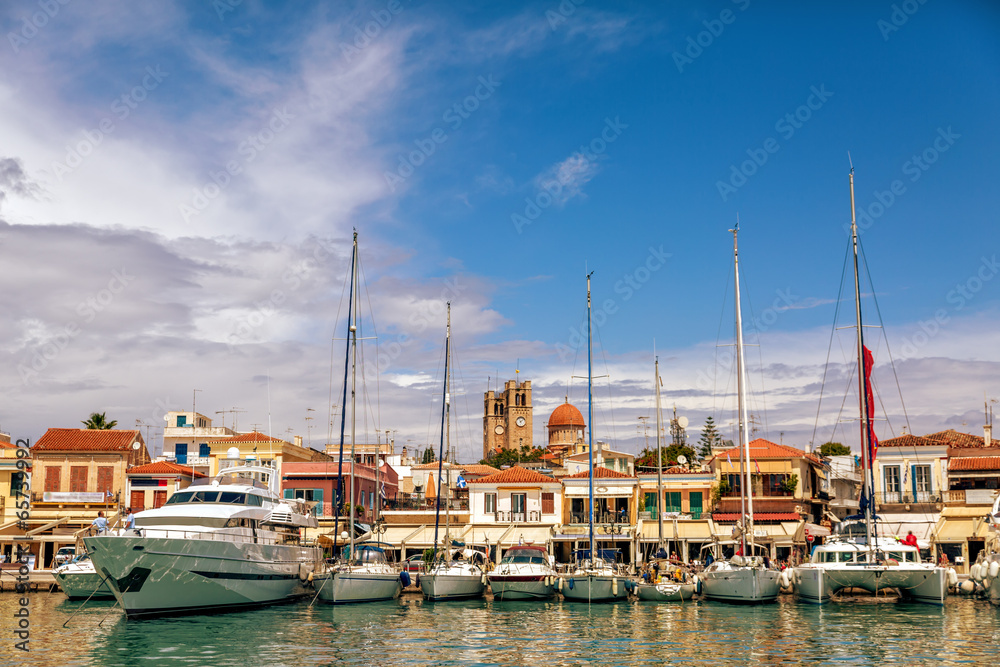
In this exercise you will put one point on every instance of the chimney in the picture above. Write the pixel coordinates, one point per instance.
(987, 434)
(298, 441)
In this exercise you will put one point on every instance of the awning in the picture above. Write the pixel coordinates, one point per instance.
(696, 531)
(757, 516)
(820, 473)
(898, 524)
(831, 516)
(959, 530)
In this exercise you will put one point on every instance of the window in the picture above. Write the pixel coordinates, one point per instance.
(78, 479)
(105, 479)
(649, 503)
(890, 475)
(182, 420)
(490, 503)
(695, 498)
(673, 501)
(52, 474)
(518, 505)
(922, 483)
(204, 451)
(181, 452)
(548, 503)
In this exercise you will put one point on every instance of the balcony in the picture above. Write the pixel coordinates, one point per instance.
(534, 516)
(970, 496)
(927, 499)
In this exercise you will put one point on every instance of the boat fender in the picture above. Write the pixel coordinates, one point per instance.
(952, 577)
(483, 579)
(785, 581)
(570, 582)
(994, 569)
(560, 584)
(614, 586)
(975, 573)
(697, 584)
(310, 577)
(967, 587)
(404, 578)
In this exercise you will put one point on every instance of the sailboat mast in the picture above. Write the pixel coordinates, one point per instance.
(343, 412)
(659, 457)
(746, 497)
(447, 352)
(590, 416)
(354, 383)
(866, 463)
(447, 436)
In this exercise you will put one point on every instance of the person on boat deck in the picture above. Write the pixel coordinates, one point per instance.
(130, 520)
(943, 560)
(910, 539)
(100, 524)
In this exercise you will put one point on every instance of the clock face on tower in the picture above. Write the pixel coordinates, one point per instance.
(520, 421)
(498, 430)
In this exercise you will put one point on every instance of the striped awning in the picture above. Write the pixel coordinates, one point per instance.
(725, 517)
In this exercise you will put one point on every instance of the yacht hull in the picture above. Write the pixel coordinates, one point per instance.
(665, 592)
(818, 585)
(358, 586)
(593, 588)
(452, 586)
(152, 576)
(81, 584)
(522, 586)
(741, 585)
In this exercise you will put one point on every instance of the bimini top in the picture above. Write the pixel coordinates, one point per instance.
(604, 554)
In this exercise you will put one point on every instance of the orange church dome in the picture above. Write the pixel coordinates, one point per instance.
(566, 415)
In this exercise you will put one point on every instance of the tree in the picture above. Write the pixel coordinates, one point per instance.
(514, 456)
(709, 438)
(833, 449)
(649, 459)
(429, 456)
(98, 421)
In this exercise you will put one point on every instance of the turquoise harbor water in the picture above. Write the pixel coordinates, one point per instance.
(413, 632)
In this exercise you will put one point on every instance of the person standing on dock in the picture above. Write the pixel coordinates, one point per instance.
(100, 524)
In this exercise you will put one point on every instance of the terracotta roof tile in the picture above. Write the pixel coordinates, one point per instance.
(765, 449)
(758, 516)
(602, 473)
(515, 475)
(974, 463)
(956, 439)
(479, 469)
(910, 440)
(164, 468)
(83, 439)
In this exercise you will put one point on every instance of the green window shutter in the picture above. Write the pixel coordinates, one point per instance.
(696, 500)
(673, 501)
(318, 497)
(289, 493)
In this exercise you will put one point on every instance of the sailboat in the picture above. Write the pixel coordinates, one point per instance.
(455, 572)
(363, 574)
(855, 557)
(592, 578)
(743, 578)
(667, 582)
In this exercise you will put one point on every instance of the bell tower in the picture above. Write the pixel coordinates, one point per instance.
(507, 418)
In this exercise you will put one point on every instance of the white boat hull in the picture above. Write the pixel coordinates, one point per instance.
(593, 588)
(522, 586)
(741, 585)
(664, 592)
(156, 576)
(358, 585)
(452, 586)
(818, 583)
(80, 583)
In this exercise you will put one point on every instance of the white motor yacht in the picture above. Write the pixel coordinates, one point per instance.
(667, 582)
(524, 573)
(596, 579)
(741, 580)
(223, 542)
(80, 581)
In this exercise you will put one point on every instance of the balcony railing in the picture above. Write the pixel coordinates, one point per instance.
(534, 516)
(970, 496)
(907, 497)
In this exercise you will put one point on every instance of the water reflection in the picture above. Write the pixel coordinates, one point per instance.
(411, 632)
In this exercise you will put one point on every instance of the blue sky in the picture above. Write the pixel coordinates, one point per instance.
(490, 153)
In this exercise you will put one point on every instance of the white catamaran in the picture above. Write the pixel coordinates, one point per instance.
(363, 574)
(452, 574)
(855, 558)
(743, 578)
(593, 577)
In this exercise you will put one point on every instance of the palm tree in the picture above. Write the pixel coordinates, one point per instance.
(98, 421)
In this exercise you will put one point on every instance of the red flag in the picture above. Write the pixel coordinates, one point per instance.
(872, 440)
(755, 465)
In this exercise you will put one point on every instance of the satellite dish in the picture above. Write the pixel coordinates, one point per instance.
(166, 418)
(682, 459)
(135, 445)
(682, 422)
